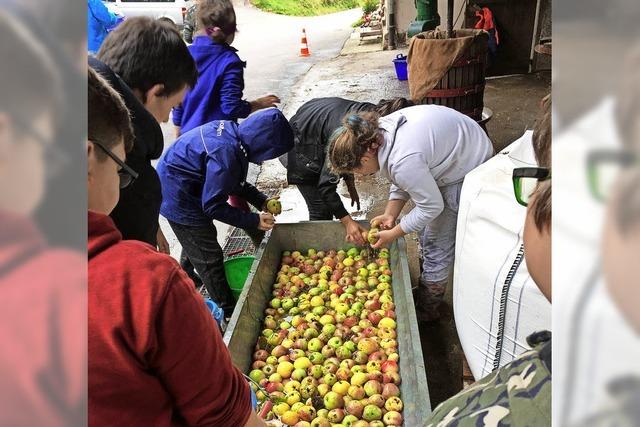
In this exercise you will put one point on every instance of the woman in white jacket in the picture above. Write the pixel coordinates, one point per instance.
(425, 151)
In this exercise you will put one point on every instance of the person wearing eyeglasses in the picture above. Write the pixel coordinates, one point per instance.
(425, 151)
(156, 355)
(519, 393)
(42, 286)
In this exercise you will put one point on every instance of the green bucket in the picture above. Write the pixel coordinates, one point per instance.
(237, 269)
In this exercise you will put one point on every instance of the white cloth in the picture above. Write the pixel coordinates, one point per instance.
(593, 344)
(426, 147)
(489, 237)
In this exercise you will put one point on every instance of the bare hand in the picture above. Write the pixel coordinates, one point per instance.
(264, 102)
(163, 245)
(386, 221)
(353, 192)
(385, 239)
(354, 232)
(267, 221)
(177, 131)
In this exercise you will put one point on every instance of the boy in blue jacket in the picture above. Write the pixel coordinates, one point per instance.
(198, 174)
(218, 93)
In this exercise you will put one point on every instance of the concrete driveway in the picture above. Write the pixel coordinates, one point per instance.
(270, 44)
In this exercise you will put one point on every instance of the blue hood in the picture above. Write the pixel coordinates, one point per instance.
(266, 135)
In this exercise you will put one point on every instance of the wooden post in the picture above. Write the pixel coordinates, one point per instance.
(450, 19)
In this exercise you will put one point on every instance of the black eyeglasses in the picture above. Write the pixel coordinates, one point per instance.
(56, 159)
(126, 174)
(525, 181)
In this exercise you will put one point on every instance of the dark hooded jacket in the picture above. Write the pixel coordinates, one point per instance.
(136, 214)
(209, 163)
(313, 125)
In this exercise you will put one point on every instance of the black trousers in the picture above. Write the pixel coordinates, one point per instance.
(202, 259)
(201, 250)
(318, 208)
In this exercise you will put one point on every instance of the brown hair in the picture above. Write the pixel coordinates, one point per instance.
(146, 52)
(541, 204)
(351, 141)
(542, 134)
(386, 107)
(217, 13)
(108, 117)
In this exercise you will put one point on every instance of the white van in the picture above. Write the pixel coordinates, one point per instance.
(168, 10)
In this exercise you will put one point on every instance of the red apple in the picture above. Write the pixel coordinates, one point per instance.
(389, 366)
(389, 390)
(355, 408)
(350, 321)
(377, 356)
(271, 387)
(258, 364)
(375, 317)
(260, 355)
(372, 305)
(375, 376)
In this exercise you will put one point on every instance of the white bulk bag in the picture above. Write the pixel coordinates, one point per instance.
(496, 303)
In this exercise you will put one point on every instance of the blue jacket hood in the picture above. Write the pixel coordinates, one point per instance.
(266, 135)
(205, 52)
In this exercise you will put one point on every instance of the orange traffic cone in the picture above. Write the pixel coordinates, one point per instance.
(304, 46)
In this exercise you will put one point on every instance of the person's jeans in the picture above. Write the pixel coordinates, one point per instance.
(200, 246)
(437, 244)
(317, 207)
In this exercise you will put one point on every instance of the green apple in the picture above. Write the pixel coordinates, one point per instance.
(371, 412)
(333, 400)
(302, 363)
(314, 345)
(257, 375)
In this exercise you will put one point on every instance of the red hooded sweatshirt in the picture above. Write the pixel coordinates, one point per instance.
(42, 329)
(156, 357)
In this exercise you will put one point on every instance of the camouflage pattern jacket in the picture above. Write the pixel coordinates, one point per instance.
(189, 28)
(518, 394)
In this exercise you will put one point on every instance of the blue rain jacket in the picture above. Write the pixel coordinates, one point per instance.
(209, 163)
(218, 93)
(99, 20)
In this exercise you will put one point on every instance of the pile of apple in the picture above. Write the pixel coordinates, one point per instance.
(328, 353)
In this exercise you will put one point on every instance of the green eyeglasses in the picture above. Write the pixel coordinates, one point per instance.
(604, 167)
(525, 181)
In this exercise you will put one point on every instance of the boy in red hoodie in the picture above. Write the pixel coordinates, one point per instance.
(156, 357)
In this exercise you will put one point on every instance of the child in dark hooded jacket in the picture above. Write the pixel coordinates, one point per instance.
(198, 174)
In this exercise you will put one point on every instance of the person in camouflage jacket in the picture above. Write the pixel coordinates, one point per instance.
(190, 23)
(518, 394)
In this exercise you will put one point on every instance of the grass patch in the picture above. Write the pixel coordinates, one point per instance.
(305, 7)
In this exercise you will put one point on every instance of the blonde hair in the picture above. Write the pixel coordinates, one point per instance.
(350, 142)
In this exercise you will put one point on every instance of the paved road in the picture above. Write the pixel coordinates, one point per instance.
(271, 44)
